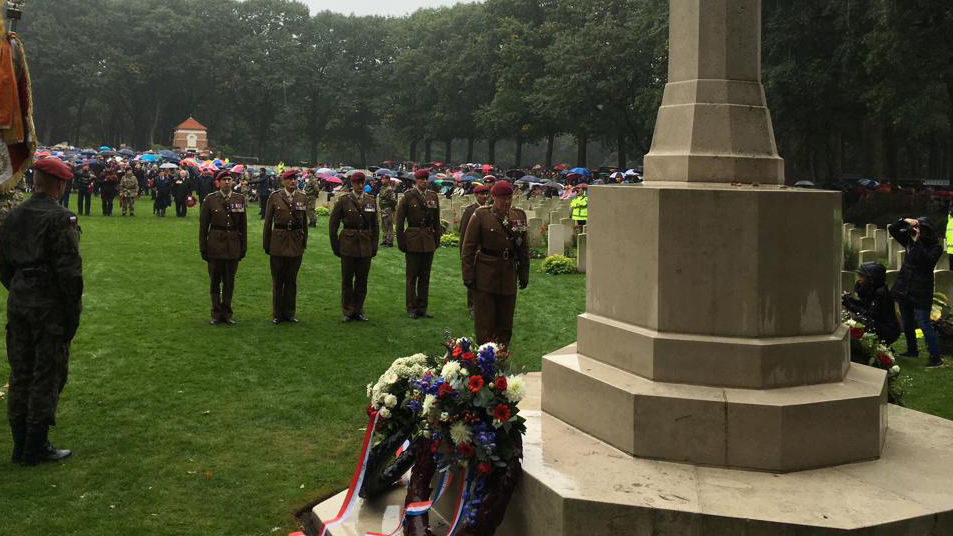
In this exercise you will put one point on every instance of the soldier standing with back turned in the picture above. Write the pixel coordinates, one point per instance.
(356, 245)
(420, 210)
(223, 241)
(482, 194)
(387, 200)
(495, 258)
(285, 237)
(41, 267)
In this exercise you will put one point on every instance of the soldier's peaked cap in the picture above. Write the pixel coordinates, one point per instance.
(54, 167)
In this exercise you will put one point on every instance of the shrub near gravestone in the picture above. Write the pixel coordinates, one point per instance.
(323, 211)
(449, 240)
(558, 265)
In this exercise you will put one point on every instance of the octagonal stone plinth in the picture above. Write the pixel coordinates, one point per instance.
(779, 430)
(715, 284)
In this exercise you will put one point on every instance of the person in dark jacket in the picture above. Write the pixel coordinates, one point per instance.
(181, 190)
(913, 288)
(163, 191)
(206, 185)
(873, 303)
(41, 267)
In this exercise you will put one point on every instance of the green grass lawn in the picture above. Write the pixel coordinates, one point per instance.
(180, 428)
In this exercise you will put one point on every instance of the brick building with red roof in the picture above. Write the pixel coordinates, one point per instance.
(190, 135)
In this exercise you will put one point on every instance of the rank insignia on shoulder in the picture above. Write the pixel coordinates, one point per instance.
(72, 219)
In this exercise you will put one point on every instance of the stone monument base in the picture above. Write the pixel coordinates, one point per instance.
(576, 485)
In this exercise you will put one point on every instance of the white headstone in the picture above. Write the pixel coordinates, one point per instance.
(557, 240)
(581, 253)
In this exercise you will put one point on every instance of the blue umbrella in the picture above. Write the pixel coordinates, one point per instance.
(88, 152)
(384, 171)
(582, 171)
(531, 178)
(105, 148)
(149, 157)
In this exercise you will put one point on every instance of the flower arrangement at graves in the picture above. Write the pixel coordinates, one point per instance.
(866, 348)
(469, 415)
(392, 397)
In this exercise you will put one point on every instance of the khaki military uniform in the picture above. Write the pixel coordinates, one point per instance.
(128, 192)
(285, 237)
(311, 191)
(223, 241)
(356, 245)
(387, 200)
(495, 257)
(464, 220)
(420, 213)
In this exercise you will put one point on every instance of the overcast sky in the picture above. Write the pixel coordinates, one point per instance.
(376, 7)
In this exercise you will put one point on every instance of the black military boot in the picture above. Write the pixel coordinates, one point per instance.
(39, 449)
(19, 441)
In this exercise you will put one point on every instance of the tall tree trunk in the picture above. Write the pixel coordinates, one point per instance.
(313, 146)
(427, 144)
(519, 150)
(469, 149)
(79, 120)
(448, 154)
(620, 144)
(891, 163)
(155, 123)
(550, 142)
(582, 155)
(413, 150)
(491, 151)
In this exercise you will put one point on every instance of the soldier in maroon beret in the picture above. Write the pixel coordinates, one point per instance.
(41, 267)
(223, 242)
(495, 258)
(482, 194)
(356, 244)
(285, 237)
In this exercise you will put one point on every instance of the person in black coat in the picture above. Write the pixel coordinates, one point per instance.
(873, 304)
(163, 189)
(913, 288)
(206, 185)
(181, 190)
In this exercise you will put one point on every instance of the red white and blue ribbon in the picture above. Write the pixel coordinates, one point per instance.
(359, 471)
(461, 502)
(419, 508)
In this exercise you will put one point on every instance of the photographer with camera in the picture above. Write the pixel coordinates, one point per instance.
(873, 305)
(913, 289)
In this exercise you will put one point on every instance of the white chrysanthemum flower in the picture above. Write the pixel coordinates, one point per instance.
(390, 400)
(384, 413)
(492, 345)
(370, 390)
(460, 433)
(429, 401)
(895, 370)
(515, 390)
(451, 370)
(390, 378)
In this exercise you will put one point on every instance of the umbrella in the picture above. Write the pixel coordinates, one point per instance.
(803, 184)
(127, 152)
(554, 185)
(88, 152)
(581, 171)
(149, 157)
(168, 166)
(334, 180)
(42, 154)
(105, 148)
(190, 162)
(514, 173)
(238, 169)
(530, 178)
(384, 171)
(617, 175)
(324, 170)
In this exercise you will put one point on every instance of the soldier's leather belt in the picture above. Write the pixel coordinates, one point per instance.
(418, 227)
(358, 227)
(498, 253)
(223, 228)
(290, 226)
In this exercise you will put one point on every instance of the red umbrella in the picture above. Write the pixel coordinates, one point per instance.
(334, 180)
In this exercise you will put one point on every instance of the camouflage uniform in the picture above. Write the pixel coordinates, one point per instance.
(311, 190)
(387, 201)
(128, 192)
(41, 267)
(11, 199)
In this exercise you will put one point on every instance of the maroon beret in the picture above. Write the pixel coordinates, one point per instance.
(357, 176)
(54, 167)
(501, 188)
(421, 174)
(223, 174)
(480, 189)
(289, 174)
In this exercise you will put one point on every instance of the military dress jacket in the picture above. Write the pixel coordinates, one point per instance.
(361, 232)
(421, 213)
(223, 227)
(465, 220)
(387, 199)
(286, 224)
(495, 254)
(129, 185)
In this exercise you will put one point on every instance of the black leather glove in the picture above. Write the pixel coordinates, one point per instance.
(469, 283)
(204, 256)
(337, 252)
(523, 284)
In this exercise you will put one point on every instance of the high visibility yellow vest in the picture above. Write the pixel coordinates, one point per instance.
(949, 233)
(580, 208)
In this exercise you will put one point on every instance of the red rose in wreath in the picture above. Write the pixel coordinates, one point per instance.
(501, 384)
(444, 390)
(885, 360)
(856, 333)
(465, 449)
(484, 468)
(502, 413)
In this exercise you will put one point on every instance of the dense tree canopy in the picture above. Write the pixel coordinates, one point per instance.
(855, 86)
